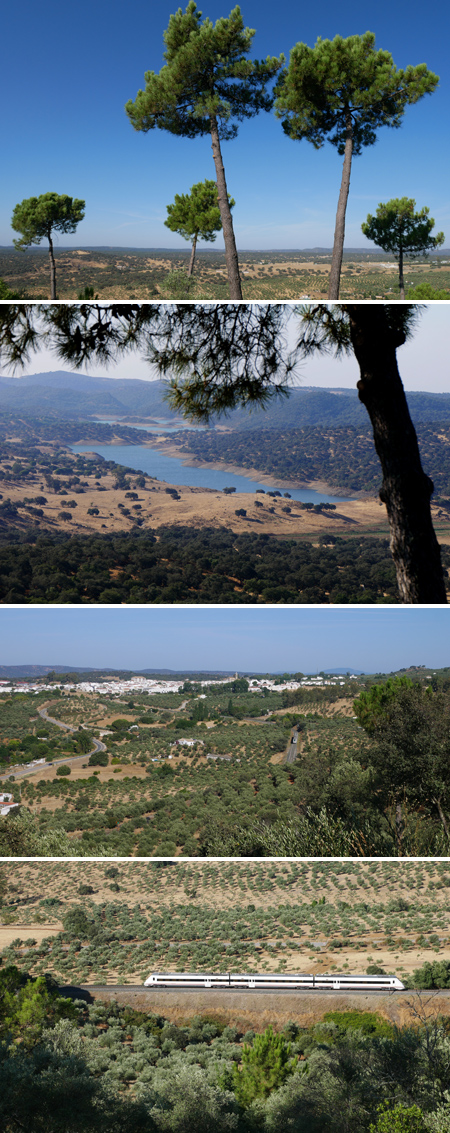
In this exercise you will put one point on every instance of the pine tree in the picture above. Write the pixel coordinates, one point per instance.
(207, 86)
(397, 228)
(40, 216)
(225, 355)
(196, 214)
(345, 90)
(265, 1066)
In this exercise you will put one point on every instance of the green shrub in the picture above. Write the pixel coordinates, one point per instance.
(432, 974)
(369, 1022)
(98, 759)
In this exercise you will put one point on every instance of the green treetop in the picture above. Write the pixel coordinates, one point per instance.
(409, 754)
(40, 216)
(345, 90)
(207, 86)
(265, 1066)
(28, 1005)
(399, 1118)
(397, 228)
(372, 705)
(196, 214)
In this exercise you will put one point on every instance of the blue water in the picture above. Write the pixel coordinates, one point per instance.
(173, 471)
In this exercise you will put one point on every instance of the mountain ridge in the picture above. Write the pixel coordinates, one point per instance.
(70, 395)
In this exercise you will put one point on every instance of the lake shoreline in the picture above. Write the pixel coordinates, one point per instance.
(169, 449)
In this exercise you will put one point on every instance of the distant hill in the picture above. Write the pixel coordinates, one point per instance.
(35, 672)
(367, 250)
(67, 395)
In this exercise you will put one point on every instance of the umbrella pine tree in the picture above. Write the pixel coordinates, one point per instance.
(207, 86)
(41, 216)
(397, 228)
(345, 90)
(196, 214)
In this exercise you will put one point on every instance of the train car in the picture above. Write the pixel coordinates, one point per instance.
(274, 982)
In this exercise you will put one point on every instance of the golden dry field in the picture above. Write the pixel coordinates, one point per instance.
(196, 508)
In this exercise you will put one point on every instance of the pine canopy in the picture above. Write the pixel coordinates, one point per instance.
(206, 74)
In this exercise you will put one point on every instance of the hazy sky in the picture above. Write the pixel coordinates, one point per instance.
(263, 640)
(67, 73)
(423, 361)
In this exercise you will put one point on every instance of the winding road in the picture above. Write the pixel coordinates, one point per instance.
(22, 770)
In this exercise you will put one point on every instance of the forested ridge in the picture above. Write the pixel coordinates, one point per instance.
(60, 431)
(342, 457)
(64, 395)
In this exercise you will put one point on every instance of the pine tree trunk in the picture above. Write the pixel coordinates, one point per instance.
(192, 259)
(406, 490)
(399, 827)
(442, 818)
(401, 282)
(339, 231)
(231, 256)
(52, 268)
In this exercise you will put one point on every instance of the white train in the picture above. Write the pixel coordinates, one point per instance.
(274, 982)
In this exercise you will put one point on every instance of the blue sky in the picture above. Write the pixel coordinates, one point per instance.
(67, 73)
(291, 640)
(423, 361)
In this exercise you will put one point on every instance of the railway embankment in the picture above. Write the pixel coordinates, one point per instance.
(257, 1010)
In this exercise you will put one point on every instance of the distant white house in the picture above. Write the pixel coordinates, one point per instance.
(188, 743)
(5, 797)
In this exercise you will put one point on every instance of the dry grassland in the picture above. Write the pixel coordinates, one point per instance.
(11, 932)
(197, 508)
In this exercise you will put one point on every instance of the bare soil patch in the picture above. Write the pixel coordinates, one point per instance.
(38, 932)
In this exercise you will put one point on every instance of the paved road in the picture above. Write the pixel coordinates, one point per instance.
(291, 754)
(59, 723)
(23, 770)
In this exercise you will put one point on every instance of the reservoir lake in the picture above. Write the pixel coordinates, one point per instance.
(172, 470)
